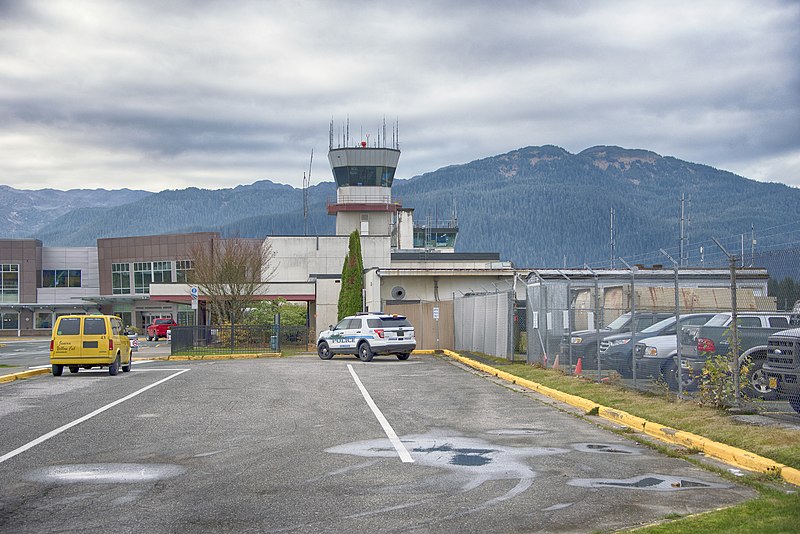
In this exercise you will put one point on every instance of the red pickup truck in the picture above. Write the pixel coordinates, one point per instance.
(159, 328)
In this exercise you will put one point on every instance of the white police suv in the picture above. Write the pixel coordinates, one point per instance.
(368, 334)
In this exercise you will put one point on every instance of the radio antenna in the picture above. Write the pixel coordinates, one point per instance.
(306, 185)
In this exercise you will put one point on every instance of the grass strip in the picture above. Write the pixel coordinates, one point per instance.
(772, 512)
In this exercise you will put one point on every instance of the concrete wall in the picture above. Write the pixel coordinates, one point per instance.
(327, 303)
(301, 258)
(430, 286)
(366, 222)
(405, 228)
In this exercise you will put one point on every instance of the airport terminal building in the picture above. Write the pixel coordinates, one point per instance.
(142, 277)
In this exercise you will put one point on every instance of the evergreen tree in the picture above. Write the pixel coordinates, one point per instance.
(352, 279)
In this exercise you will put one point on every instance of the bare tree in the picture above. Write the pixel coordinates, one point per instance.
(230, 273)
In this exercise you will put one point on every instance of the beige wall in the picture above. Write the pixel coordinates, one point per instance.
(420, 315)
(300, 258)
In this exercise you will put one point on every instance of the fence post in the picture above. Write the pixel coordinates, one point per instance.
(633, 320)
(734, 326)
(679, 371)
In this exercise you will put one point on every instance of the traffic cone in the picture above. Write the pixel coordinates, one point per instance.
(579, 367)
(555, 362)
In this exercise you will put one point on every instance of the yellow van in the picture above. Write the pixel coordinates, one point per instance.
(89, 341)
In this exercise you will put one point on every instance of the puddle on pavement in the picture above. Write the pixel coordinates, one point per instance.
(454, 452)
(105, 473)
(652, 482)
(470, 461)
(606, 448)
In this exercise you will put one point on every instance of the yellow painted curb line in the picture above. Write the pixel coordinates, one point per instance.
(726, 453)
(21, 375)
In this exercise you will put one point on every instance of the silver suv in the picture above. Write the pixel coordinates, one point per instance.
(366, 335)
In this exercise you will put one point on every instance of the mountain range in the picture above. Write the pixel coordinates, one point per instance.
(537, 206)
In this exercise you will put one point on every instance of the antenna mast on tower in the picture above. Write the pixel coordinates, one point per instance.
(613, 238)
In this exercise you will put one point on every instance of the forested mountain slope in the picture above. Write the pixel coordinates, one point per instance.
(537, 206)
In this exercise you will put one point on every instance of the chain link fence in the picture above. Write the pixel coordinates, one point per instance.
(624, 325)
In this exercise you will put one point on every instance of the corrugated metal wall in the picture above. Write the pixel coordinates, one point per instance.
(483, 323)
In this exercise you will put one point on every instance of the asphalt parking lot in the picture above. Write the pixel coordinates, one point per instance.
(304, 445)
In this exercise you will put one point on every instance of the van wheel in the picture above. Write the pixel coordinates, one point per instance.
(364, 352)
(323, 351)
(57, 370)
(73, 369)
(113, 369)
(403, 356)
(127, 368)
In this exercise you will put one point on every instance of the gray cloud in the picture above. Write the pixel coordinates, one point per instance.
(213, 93)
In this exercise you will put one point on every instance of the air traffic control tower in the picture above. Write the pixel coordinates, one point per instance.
(364, 174)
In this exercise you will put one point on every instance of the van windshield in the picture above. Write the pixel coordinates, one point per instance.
(69, 327)
(94, 326)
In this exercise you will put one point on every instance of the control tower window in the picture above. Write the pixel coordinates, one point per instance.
(364, 176)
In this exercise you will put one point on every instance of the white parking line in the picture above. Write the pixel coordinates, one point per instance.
(59, 430)
(135, 362)
(405, 457)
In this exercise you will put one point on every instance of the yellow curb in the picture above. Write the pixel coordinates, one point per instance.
(23, 374)
(725, 453)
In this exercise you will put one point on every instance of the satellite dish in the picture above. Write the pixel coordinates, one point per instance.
(398, 293)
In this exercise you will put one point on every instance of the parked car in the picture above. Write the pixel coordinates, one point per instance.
(617, 351)
(584, 342)
(158, 328)
(366, 335)
(89, 341)
(782, 368)
(656, 356)
(754, 328)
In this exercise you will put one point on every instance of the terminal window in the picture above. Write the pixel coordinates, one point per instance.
(61, 278)
(9, 283)
(120, 278)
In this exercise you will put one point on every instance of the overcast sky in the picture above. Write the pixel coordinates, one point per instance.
(166, 95)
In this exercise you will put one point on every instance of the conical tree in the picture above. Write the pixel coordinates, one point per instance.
(352, 279)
